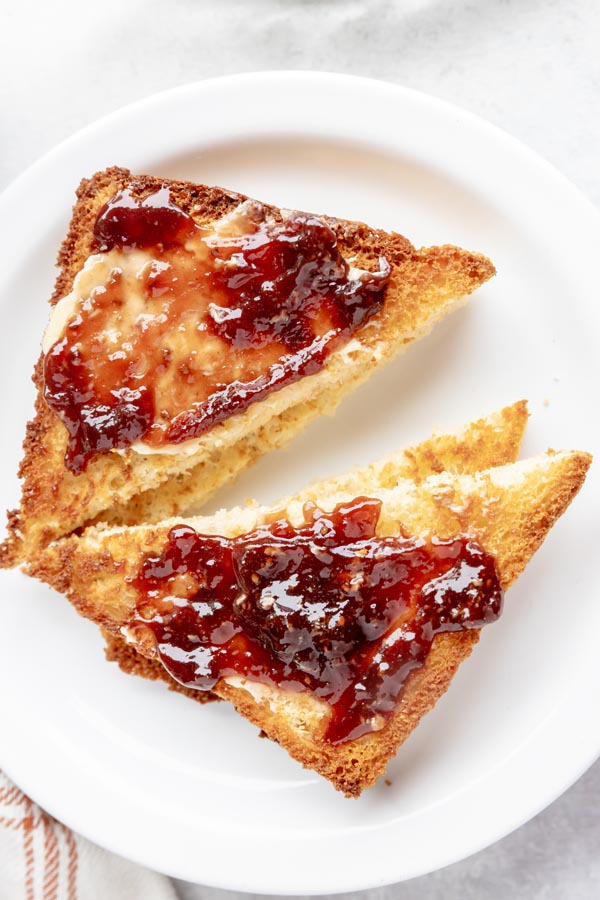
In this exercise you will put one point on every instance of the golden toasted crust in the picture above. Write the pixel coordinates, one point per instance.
(493, 440)
(509, 510)
(424, 286)
(490, 441)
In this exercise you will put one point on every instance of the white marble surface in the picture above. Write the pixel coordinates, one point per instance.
(530, 66)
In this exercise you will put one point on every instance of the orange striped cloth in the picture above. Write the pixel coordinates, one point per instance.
(42, 859)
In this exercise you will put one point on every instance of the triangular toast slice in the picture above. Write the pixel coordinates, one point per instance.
(493, 440)
(422, 287)
(507, 511)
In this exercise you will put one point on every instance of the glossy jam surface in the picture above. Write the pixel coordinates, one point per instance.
(181, 326)
(328, 607)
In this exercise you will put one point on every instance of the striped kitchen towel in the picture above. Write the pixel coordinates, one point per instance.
(41, 859)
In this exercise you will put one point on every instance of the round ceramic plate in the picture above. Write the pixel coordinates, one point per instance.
(191, 790)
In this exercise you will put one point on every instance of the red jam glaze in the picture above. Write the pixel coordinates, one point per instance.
(328, 607)
(258, 310)
(126, 222)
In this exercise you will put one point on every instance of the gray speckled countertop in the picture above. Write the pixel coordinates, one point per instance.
(530, 66)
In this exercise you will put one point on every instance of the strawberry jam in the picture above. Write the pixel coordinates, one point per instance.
(125, 222)
(179, 326)
(328, 608)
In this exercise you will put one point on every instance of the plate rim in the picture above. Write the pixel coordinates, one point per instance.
(311, 80)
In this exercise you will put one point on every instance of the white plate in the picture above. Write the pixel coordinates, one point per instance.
(191, 790)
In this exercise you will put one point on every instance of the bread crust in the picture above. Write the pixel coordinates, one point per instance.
(424, 286)
(509, 510)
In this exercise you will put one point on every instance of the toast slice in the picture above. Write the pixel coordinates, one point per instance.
(507, 510)
(493, 440)
(424, 285)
